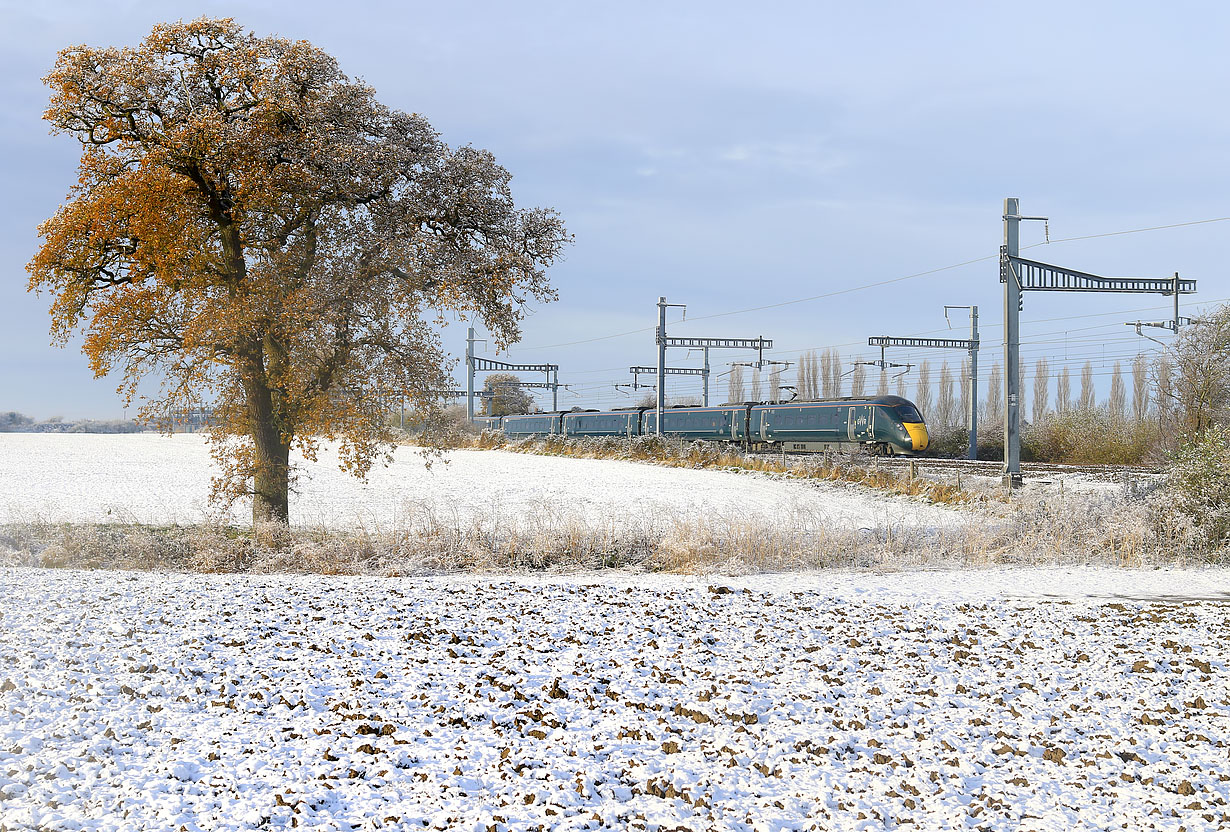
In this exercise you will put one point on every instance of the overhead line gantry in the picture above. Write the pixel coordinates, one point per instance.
(476, 364)
(664, 341)
(1019, 275)
(970, 345)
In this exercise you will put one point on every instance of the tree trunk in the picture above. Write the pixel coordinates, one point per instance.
(271, 479)
(271, 471)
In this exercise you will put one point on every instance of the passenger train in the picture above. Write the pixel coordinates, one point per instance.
(884, 425)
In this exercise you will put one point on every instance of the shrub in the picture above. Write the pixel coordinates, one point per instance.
(949, 442)
(1089, 437)
(650, 447)
(1199, 480)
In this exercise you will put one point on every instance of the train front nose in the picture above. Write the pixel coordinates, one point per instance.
(918, 435)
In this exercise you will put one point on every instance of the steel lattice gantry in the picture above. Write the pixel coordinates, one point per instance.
(476, 364)
(533, 385)
(1018, 275)
(663, 342)
(487, 364)
(722, 343)
(922, 343)
(968, 344)
(1043, 277)
(703, 372)
(457, 394)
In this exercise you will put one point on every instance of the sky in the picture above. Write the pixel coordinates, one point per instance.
(735, 156)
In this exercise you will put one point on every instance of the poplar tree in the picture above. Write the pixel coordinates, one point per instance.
(922, 389)
(735, 385)
(1118, 393)
(946, 406)
(995, 395)
(1088, 399)
(1042, 394)
(1140, 387)
(966, 390)
(1063, 391)
(858, 380)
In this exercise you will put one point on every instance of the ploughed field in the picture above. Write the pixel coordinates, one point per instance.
(1006, 699)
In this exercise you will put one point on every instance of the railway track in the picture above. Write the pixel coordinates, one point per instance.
(993, 468)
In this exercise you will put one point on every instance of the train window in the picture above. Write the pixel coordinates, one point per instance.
(908, 413)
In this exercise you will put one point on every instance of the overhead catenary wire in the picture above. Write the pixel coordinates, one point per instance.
(886, 282)
(1025, 344)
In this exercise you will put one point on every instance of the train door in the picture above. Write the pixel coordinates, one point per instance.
(859, 426)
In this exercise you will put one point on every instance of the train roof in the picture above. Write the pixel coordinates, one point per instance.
(888, 401)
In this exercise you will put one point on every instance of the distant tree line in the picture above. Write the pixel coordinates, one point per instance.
(14, 422)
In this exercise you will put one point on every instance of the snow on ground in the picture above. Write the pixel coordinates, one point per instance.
(155, 479)
(833, 701)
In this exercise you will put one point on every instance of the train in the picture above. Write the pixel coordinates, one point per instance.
(881, 425)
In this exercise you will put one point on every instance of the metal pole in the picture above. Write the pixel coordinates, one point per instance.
(554, 392)
(1176, 303)
(705, 376)
(1012, 346)
(470, 375)
(973, 383)
(661, 361)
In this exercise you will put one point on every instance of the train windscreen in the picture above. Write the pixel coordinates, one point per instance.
(908, 413)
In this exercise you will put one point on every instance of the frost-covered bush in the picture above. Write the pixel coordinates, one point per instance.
(948, 441)
(1088, 437)
(1200, 483)
(609, 446)
(492, 439)
(651, 447)
(701, 453)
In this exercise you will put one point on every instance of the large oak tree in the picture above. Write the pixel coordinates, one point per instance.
(255, 230)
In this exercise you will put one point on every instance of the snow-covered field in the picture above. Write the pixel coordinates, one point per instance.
(1007, 699)
(155, 479)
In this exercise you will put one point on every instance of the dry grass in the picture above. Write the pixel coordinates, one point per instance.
(1034, 530)
(856, 469)
(1122, 529)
